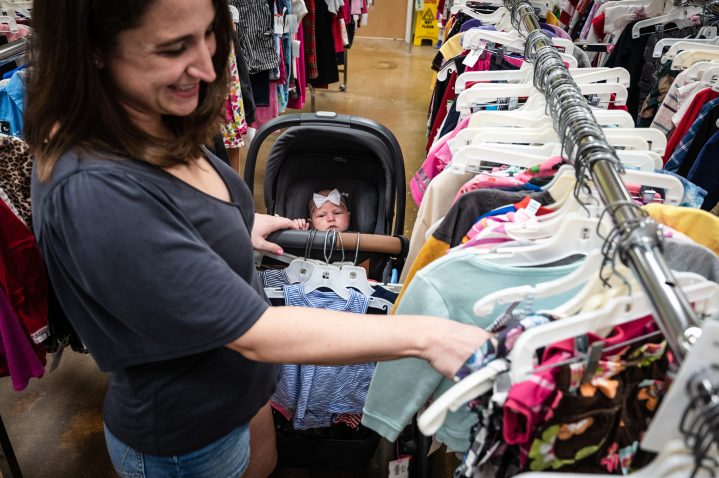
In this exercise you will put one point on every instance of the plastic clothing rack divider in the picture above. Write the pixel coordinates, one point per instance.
(640, 248)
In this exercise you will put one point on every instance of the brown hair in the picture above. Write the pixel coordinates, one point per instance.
(72, 103)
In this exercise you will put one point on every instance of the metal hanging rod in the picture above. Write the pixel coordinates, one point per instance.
(14, 50)
(586, 147)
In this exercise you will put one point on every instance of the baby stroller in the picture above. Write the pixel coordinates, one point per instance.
(363, 159)
(324, 150)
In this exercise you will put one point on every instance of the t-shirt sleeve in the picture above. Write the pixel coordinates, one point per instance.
(136, 279)
(399, 388)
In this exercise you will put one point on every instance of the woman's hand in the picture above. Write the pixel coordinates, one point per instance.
(266, 225)
(451, 344)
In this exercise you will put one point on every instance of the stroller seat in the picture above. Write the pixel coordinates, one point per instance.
(307, 159)
(323, 150)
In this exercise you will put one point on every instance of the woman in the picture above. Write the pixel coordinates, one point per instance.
(148, 238)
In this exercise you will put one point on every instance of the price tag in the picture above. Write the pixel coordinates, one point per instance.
(472, 58)
(279, 26)
(533, 207)
(292, 24)
(399, 468)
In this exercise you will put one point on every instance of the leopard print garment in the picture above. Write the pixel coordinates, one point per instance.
(15, 172)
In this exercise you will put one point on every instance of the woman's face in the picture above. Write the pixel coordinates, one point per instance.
(158, 67)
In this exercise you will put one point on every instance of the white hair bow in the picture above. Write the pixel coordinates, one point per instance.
(333, 197)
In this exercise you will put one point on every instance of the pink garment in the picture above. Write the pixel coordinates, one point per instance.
(488, 230)
(531, 402)
(16, 348)
(337, 31)
(22, 32)
(490, 180)
(487, 180)
(299, 102)
(438, 158)
(263, 114)
(635, 190)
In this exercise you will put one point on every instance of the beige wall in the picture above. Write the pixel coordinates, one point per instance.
(387, 19)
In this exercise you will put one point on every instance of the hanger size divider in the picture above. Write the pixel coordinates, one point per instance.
(641, 246)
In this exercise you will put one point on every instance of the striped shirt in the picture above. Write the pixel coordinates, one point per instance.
(256, 34)
(317, 394)
(682, 89)
(273, 278)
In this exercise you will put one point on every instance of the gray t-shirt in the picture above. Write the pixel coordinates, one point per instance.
(157, 277)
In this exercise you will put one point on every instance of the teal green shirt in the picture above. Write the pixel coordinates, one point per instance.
(448, 288)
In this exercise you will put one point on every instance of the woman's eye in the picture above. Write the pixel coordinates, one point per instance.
(176, 52)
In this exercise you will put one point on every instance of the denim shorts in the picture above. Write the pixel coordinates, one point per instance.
(227, 457)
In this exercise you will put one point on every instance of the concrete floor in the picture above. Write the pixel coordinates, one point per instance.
(55, 424)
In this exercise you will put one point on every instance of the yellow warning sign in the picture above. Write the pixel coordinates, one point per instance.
(426, 27)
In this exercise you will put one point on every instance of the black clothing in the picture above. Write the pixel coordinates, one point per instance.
(157, 277)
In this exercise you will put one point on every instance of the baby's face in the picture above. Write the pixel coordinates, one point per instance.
(329, 217)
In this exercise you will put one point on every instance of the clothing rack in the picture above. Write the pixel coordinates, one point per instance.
(639, 245)
(9, 467)
(14, 50)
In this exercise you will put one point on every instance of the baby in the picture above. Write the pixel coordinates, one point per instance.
(328, 210)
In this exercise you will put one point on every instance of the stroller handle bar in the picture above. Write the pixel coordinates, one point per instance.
(319, 240)
(328, 118)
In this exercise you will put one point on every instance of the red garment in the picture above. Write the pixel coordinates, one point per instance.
(598, 24)
(699, 100)
(613, 106)
(337, 31)
(17, 356)
(565, 17)
(309, 27)
(443, 108)
(23, 277)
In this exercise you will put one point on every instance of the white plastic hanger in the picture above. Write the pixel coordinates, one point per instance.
(530, 119)
(672, 186)
(687, 45)
(683, 45)
(471, 158)
(525, 75)
(620, 310)
(695, 71)
(475, 38)
(576, 236)
(626, 138)
(485, 18)
(678, 15)
(589, 268)
(326, 275)
(355, 277)
(458, 395)
(668, 42)
(485, 93)
(10, 22)
(687, 58)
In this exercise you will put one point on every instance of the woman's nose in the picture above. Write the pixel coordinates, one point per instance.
(202, 67)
